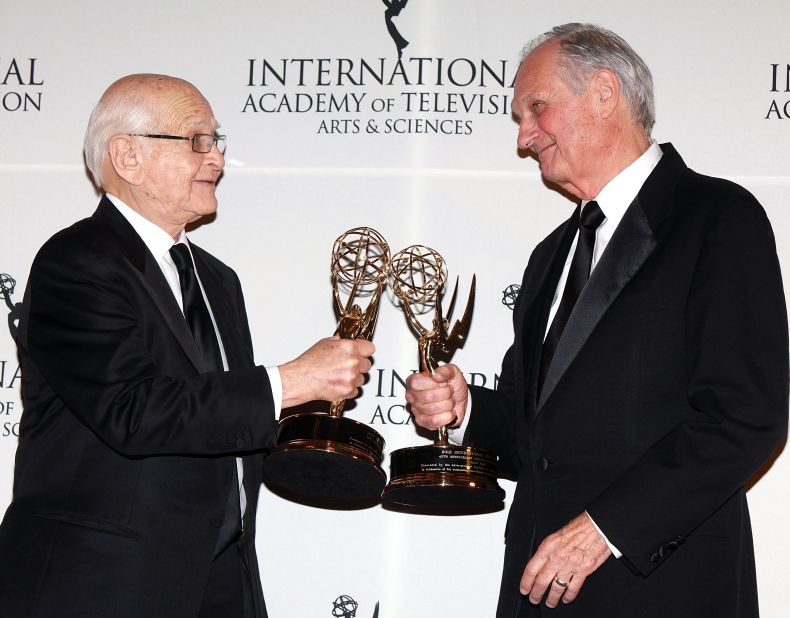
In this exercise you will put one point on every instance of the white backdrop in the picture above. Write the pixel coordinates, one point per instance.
(326, 132)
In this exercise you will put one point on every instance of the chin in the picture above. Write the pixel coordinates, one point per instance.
(549, 177)
(552, 174)
(205, 206)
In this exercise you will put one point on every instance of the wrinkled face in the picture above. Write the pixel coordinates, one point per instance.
(179, 184)
(554, 123)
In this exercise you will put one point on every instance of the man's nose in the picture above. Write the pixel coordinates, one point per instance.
(215, 158)
(527, 133)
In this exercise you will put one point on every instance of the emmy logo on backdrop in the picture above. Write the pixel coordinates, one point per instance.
(7, 285)
(442, 476)
(394, 7)
(346, 607)
(325, 456)
(510, 295)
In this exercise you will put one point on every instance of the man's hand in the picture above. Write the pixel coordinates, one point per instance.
(437, 399)
(331, 370)
(568, 556)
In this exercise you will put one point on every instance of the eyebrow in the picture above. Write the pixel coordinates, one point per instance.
(197, 126)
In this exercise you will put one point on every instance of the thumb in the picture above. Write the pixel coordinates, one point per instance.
(443, 374)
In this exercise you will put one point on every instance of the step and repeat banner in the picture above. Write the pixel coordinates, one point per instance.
(392, 114)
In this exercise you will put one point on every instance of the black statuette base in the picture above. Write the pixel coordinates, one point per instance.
(327, 458)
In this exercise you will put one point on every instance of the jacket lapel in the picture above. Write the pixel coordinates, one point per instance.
(147, 271)
(630, 246)
(236, 353)
(632, 243)
(534, 303)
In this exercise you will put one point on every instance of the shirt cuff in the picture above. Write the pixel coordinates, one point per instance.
(456, 436)
(277, 389)
(615, 552)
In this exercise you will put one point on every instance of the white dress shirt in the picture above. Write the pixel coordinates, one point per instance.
(614, 199)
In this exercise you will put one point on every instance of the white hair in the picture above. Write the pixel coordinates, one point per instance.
(589, 48)
(114, 114)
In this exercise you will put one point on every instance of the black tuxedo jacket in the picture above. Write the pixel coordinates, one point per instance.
(667, 391)
(127, 445)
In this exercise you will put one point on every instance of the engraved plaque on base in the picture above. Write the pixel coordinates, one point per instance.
(444, 476)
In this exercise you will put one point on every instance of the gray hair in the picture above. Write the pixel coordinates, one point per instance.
(112, 115)
(589, 48)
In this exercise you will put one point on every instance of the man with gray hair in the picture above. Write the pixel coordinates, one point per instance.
(648, 377)
(140, 449)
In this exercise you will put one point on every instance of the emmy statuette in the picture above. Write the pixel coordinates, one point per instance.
(326, 456)
(441, 476)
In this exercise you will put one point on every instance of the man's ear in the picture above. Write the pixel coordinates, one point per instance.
(606, 88)
(125, 157)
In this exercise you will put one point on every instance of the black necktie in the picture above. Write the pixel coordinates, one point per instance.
(195, 309)
(579, 272)
(199, 320)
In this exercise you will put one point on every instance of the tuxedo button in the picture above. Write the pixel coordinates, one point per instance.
(670, 546)
(543, 463)
(240, 443)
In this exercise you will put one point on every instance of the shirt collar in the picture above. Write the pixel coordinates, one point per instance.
(155, 238)
(615, 198)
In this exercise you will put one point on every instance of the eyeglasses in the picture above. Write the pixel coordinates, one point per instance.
(202, 142)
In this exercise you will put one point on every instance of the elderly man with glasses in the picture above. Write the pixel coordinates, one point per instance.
(138, 465)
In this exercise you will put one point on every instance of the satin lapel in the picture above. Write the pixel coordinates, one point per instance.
(532, 311)
(150, 276)
(630, 246)
(218, 297)
(163, 298)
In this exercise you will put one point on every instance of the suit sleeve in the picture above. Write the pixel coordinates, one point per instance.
(104, 353)
(492, 422)
(736, 361)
